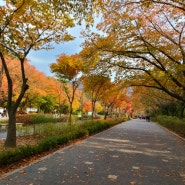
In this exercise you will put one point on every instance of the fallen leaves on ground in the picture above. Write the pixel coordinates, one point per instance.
(30, 140)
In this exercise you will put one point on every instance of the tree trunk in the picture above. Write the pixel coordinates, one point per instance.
(13, 105)
(70, 113)
(1, 77)
(93, 109)
(11, 132)
(106, 114)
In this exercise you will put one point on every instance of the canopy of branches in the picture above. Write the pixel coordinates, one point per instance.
(146, 46)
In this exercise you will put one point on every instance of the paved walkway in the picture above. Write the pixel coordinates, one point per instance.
(132, 153)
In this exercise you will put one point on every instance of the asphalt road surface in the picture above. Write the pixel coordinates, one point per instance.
(132, 153)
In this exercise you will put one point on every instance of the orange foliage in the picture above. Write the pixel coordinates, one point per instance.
(39, 83)
(87, 106)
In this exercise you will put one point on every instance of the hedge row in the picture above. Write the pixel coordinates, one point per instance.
(87, 128)
(38, 118)
(172, 123)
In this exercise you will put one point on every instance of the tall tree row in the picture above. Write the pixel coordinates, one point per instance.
(146, 46)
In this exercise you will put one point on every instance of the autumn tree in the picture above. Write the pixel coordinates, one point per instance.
(95, 87)
(87, 106)
(152, 101)
(115, 101)
(67, 70)
(109, 98)
(59, 96)
(40, 86)
(178, 5)
(27, 25)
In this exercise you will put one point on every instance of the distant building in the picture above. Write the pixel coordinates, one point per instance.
(28, 110)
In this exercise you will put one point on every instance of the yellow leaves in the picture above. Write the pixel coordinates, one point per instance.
(67, 37)
(67, 67)
(76, 104)
(181, 67)
(95, 86)
(34, 24)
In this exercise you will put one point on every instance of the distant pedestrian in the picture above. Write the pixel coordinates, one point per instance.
(4, 113)
(148, 118)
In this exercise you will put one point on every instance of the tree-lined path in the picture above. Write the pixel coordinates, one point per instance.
(132, 153)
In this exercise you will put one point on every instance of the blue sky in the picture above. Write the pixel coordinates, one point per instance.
(42, 59)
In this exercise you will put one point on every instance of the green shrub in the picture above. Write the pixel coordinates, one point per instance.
(61, 140)
(6, 157)
(99, 125)
(47, 144)
(27, 151)
(173, 123)
(44, 118)
(78, 134)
